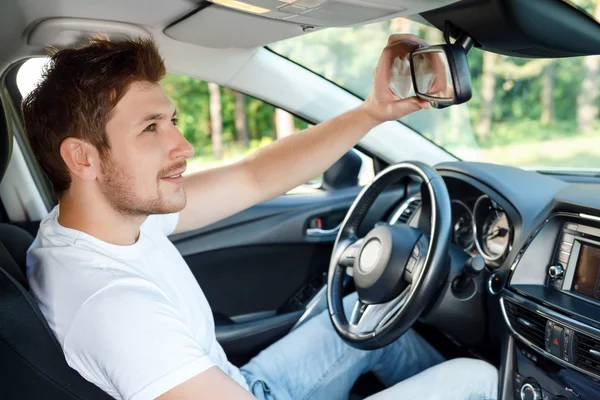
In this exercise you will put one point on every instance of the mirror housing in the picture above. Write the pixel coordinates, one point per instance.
(440, 75)
(343, 173)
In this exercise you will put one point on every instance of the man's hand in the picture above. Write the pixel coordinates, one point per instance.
(382, 104)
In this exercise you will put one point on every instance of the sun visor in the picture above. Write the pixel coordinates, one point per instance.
(523, 28)
(68, 32)
(252, 23)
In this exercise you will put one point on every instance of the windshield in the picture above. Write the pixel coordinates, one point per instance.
(539, 113)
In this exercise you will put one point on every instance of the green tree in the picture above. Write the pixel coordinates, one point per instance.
(587, 101)
(241, 120)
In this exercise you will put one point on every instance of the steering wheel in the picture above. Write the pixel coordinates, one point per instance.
(397, 269)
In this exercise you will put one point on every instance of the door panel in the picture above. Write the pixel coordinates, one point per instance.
(254, 279)
(260, 268)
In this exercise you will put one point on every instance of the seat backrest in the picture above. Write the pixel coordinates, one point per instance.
(32, 365)
(14, 243)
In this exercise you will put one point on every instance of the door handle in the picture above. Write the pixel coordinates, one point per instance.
(318, 232)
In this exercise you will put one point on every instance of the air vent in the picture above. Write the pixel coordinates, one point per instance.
(527, 323)
(587, 353)
(408, 209)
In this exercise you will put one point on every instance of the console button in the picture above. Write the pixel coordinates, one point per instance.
(531, 391)
(556, 272)
(563, 257)
(568, 238)
(572, 227)
(556, 341)
(566, 247)
(518, 379)
(568, 337)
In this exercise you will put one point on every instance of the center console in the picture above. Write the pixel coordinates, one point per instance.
(552, 308)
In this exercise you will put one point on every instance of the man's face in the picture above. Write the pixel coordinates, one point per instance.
(142, 172)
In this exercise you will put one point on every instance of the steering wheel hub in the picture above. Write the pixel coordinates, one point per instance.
(369, 256)
(379, 269)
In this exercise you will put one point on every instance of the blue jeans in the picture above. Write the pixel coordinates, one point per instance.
(313, 362)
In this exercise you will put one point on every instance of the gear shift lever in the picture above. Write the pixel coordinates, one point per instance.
(472, 269)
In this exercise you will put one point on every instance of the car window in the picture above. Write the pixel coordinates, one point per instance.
(222, 124)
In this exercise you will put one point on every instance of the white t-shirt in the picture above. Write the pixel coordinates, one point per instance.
(130, 319)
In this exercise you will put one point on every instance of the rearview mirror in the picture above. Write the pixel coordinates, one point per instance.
(440, 75)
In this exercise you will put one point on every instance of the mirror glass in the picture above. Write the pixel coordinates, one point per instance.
(432, 75)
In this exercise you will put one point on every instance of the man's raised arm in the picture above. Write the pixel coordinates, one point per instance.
(291, 161)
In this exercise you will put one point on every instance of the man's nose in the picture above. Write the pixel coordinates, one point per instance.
(183, 148)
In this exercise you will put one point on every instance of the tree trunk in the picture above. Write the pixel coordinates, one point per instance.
(488, 87)
(284, 123)
(241, 120)
(216, 120)
(587, 109)
(547, 96)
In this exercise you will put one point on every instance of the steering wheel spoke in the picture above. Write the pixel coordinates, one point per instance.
(349, 255)
(416, 261)
(367, 318)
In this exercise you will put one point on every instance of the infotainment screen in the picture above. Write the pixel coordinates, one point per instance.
(587, 274)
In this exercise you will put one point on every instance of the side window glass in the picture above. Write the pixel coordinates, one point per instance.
(223, 125)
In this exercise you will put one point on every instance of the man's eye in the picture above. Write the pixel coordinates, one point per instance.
(175, 121)
(150, 128)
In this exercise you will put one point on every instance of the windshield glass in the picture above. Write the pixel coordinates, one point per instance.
(540, 113)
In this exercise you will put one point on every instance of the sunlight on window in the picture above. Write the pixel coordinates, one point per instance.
(29, 74)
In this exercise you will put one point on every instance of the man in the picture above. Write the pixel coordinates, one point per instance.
(126, 309)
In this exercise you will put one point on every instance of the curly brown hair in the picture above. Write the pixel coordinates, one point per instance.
(79, 90)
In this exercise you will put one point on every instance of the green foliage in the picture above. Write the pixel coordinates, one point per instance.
(191, 98)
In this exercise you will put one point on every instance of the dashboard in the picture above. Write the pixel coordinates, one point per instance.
(480, 226)
(539, 235)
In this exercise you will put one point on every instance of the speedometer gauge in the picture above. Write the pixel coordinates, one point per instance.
(462, 225)
(493, 231)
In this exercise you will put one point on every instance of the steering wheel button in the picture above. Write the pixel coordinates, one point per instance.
(415, 252)
(407, 277)
(411, 264)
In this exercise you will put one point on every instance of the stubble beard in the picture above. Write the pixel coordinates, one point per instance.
(119, 186)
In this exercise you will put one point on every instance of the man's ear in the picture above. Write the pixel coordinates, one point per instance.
(81, 158)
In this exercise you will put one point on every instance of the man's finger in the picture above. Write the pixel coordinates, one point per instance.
(398, 48)
(399, 37)
(409, 105)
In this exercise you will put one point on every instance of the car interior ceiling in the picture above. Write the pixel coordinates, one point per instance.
(542, 338)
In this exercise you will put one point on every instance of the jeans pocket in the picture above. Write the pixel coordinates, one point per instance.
(261, 390)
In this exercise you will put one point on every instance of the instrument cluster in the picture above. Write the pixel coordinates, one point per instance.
(480, 226)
